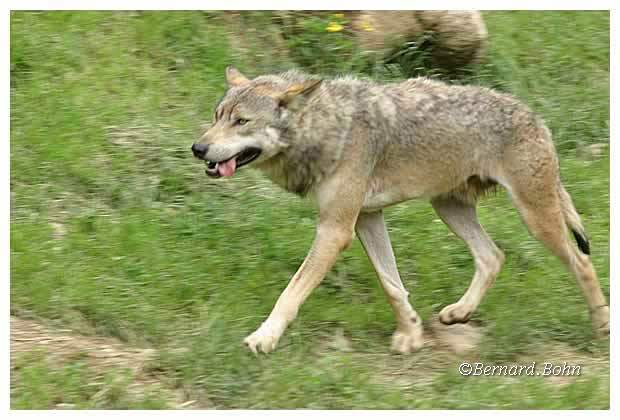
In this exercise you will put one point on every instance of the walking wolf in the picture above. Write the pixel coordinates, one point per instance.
(358, 146)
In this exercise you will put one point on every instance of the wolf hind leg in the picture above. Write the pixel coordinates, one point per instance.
(544, 216)
(462, 219)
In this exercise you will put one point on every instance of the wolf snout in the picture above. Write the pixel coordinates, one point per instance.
(200, 150)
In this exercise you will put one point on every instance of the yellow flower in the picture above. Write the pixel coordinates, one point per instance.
(339, 15)
(367, 26)
(334, 27)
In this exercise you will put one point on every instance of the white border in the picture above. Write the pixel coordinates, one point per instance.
(313, 5)
(314, 414)
(614, 213)
(325, 5)
(5, 208)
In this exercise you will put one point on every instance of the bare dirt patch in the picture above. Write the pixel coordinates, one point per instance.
(456, 338)
(100, 353)
(446, 346)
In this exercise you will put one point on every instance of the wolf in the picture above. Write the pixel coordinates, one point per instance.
(356, 147)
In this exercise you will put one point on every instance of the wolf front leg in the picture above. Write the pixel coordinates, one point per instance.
(373, 234)
(329, 242)
(339, 206)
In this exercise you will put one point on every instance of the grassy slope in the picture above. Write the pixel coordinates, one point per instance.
(116, 231)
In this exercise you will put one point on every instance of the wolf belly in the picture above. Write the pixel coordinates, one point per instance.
(382, 193)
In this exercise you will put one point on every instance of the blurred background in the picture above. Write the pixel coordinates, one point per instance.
(134, 278)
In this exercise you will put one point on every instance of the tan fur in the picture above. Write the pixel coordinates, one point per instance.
(459, 36)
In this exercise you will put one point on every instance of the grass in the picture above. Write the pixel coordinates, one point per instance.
(115, 230)
(39, 384)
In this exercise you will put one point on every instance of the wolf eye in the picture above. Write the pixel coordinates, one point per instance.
(241, 121)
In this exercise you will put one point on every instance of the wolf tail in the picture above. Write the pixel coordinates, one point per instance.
(573, 220)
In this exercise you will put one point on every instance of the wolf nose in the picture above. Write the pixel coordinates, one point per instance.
(200, 150)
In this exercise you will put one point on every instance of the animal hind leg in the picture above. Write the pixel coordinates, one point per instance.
(461, 218)
(546, 222)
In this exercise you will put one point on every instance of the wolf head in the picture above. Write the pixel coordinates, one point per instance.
(251, 119)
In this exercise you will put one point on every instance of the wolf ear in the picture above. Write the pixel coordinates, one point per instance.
(298, 90)
(234, 77)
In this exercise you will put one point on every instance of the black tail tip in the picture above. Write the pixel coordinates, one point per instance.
(582, 242)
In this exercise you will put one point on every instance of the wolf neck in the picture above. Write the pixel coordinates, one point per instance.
(304, 164)
(297, 171)
(316, 135)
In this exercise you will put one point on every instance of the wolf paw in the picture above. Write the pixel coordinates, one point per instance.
(407, 341)
(264, 339)
(600, 322)
(457, 312)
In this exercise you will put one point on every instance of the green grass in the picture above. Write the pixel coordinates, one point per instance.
(40, 385)
(104, 107)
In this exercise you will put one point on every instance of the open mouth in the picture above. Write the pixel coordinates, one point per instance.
(229, 166)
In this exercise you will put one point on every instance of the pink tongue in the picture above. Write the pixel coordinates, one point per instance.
(227, 168)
